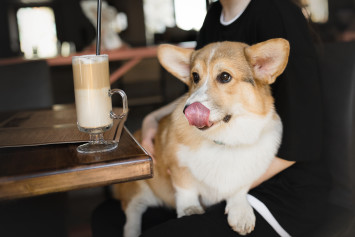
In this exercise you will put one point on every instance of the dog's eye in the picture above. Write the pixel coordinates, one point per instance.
(224, 77)
(195, 77)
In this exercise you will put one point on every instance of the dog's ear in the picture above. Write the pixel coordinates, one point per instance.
(176, 60)
(268, 59)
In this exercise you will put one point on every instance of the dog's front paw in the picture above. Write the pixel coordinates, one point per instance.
(241, 219)
(191, 210)
(194, 210)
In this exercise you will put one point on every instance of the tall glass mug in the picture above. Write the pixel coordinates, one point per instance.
(93, 101)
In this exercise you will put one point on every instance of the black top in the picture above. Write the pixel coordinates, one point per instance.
(295, 196)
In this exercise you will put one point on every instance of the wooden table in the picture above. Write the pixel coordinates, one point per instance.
(35, 170)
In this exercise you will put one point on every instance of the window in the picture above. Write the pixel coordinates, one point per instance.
(190, 14)
(185, 14)
(317, 10)
(37, 31)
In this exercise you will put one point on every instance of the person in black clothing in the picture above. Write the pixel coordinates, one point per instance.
(290, 199)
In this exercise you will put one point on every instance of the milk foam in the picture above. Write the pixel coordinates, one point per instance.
(89, 59)
(93, 107)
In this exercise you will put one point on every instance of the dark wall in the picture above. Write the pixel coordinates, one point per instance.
(72, 25)
(341, 19)
(5, 48)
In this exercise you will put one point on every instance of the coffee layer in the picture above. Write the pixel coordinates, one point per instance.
(91, 74)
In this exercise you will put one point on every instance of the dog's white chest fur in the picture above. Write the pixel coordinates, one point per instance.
(222, 170)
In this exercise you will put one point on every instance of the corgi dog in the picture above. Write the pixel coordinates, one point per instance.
(221, 137)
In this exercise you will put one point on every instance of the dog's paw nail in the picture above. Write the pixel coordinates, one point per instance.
(243, 230)
(242, 221)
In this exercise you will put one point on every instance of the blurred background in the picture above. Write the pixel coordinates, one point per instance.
(36, 29)
(47, 28)
(40, 29)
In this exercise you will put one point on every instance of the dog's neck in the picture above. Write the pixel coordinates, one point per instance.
(244, 130)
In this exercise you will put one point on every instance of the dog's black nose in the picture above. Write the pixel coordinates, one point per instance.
(185, 108)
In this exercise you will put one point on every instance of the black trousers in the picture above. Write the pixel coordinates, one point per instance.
(108, 220)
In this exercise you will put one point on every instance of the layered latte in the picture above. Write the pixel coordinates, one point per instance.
(91, 86)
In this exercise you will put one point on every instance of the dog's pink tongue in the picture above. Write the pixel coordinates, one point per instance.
(198, 115)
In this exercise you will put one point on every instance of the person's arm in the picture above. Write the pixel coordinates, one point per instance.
(277, 165)
(150, 125)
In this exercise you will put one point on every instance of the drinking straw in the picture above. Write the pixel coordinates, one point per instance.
(98, 37)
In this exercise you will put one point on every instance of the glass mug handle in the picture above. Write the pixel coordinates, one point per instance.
(124, 103)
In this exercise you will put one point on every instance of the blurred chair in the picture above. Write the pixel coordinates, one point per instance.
(337, 67)
(25, 85)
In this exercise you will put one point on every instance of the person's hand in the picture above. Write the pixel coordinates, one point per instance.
(150, 125)
(149, 130)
